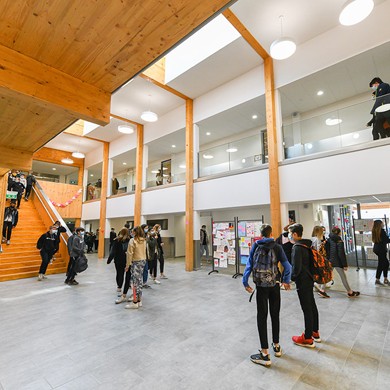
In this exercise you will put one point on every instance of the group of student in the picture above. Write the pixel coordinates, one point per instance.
(135, 253)
(296, 257)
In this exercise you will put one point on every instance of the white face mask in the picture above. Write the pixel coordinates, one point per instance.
(374, 87)
(290, 237)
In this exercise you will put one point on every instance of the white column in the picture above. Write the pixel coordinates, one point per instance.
(284, 215)
(197, 225)
(110, 176)
(145, 165)
(196, 152)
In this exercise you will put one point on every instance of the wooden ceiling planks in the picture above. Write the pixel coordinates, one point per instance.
(103, 43)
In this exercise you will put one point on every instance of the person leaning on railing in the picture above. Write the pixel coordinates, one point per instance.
(379, 120)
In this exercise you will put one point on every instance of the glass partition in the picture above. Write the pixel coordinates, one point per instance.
(243, 153)
(94, 182)
(123, 173)
(331, 131)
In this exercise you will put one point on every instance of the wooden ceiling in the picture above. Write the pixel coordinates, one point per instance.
(61, 60)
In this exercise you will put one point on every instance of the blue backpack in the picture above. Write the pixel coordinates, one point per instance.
(265, 267)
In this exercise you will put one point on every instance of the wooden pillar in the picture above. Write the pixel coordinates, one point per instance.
(80, 179)
(138, 175)
(189, 185)
(3, 191)
(272, 146)
(103, 200)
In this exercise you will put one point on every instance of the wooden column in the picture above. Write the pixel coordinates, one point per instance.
(189, 185)
(3, 190)
(103, 200)
(272, 146)
(80, 179)
(138, 175)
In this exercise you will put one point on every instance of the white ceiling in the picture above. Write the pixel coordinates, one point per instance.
(45, 168)
(124, 161)
(73, 143)
(161, 149)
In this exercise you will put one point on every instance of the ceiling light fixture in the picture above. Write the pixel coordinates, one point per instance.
(243, 161)
(320, 93)
(231, 150)
(91, 175)
(54, 169)
(310, 146)
(182, 166)
(355, 11)
(283, 47)
(149, 116)
(67, 161)
(124, 129)
(124, 163)
(208, 133)
(208, 156)
(254, 116)
(173, 146)
(154, 171)
(78, 155)
(356, 135)
(333, 121)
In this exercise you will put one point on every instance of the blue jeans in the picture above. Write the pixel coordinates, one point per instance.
(145, 274)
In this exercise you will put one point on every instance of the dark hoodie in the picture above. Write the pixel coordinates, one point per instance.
(302, 264)
(279, 253)
(381, 246)
(336, 251)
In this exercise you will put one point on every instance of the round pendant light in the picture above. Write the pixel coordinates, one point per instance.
(125, 129)
(149, 116)
(355, 11)
(67, 161)
(283, 47)
(78, 155)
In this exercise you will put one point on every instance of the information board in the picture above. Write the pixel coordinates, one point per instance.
(248, 233)
(224, 244)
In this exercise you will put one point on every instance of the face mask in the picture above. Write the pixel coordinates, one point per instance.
(52, 231)
(146, 230)
(159, 230)
(290, 237)
(374, 87)
(82, 234)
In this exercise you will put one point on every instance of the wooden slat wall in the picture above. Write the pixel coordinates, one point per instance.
(60, 193)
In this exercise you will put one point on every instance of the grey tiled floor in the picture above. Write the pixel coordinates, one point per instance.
(194, 332)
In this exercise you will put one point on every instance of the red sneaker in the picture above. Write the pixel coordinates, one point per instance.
(317, 337)
(301, 341)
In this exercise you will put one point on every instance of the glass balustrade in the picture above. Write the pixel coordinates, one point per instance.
(171, 170)
(244, 153)
(330, 131)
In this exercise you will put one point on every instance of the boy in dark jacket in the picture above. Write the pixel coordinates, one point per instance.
(30, 180)
(302, 274)
(268, 295)
(19, 188)
(11, 217)
(75, 249)
(47, 246)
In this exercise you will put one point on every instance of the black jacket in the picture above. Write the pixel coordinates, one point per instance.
(112, 237)
(302, 264)
(47, 243)
(159, 242)
(13, 212)
(336, 252)
(118, 252)
(30, 179)
(60, 230)
(381, 247)
(381, 96)
(18, 187)
(151, 247)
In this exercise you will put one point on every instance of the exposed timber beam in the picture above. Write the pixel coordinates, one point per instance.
(14, 158)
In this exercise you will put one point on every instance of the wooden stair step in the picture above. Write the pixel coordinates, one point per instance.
(30, 274)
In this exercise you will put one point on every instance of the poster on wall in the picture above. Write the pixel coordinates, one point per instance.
(224, 241)
(252, 233)
(363, 225)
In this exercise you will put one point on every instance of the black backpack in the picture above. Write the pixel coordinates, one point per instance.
(265, 267)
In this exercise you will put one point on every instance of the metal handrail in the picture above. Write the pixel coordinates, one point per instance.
(42, 196)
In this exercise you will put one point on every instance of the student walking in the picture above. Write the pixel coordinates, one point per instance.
(317, 243)
(151, 255)
(380, 240)
(47, 246)
(77, 246)
(136, 258)
(11, 217)
(204, 242)
(160, 244)
(30, 181)
(265, 255)
(339, 260)
(112, 237)
(302, 274)
(118, 254)
(19, 188)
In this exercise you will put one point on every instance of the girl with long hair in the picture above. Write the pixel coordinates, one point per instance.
(118, 254)
(317, 237)
(160, 244)
(380, 240)
(136, 259)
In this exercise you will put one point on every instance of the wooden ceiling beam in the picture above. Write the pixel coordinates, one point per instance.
(55, 156)
(11, 158)
(22, 76)
(164, 86)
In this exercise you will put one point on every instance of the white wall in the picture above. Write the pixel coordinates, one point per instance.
(123, 144)
(180, 232)
(243, 213)
(118, 223)
(350, 174)
(90, 211)
(246, 189)
(94, 157)
(164, 201)
(120, 206)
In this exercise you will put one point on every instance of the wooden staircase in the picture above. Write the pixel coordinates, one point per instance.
(21, 259)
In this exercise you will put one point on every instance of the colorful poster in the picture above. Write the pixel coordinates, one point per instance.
(367, 239)
(241, 229)
(245, 241)
(359, 239)
(250, 229)
(223, 263)
(244, 251)
(258, 229)
(244, 260)
(216, 262)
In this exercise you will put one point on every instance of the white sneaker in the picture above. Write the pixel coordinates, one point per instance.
(132, 306)
(44, 277)
(119, 292)
(40, 278)
(163, 276)
(139, 304)
(155, 281)
(3, 239)
(8, 242)
(121, 299)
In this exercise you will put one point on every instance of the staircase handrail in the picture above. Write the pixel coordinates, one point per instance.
(50, 209)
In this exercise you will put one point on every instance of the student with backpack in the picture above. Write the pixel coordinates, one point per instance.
(263, 263)
(47, 247)
(302, 274)
(318, 243)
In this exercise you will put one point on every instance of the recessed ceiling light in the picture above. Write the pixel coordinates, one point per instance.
(165, 168)
(243, 161)
(91, 175)
(67, 161)
(254, 116)
(54, 169)
(173, 146)
(355, 11)
(208, 156)
(78, 155)
(309, 146)
(182, 166)
(208, 133)
(154, 171)
(320, 93)
(124, 163)
(125, 129)
(333, 121)
(149, 116)
(231, 150)
(356, 135)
